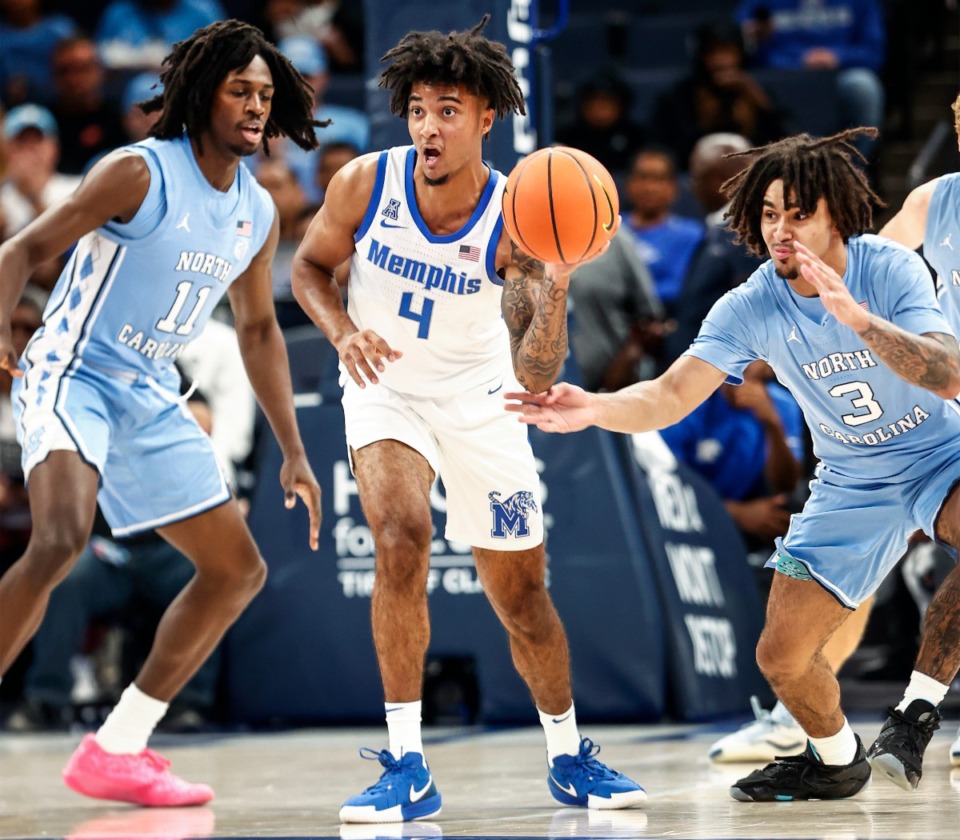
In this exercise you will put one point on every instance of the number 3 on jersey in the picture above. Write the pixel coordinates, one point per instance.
(422, 317)
(169, 322)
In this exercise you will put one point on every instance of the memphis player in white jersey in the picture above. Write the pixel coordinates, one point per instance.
(930, 217)
(445, 313)
(850, 324)
(166, 227)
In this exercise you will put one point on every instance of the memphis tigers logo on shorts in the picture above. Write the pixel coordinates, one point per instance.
(510, 514)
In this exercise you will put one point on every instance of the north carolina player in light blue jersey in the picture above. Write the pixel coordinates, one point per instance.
(930, 217)
(445, 313)
(165, 227)
(850, 324)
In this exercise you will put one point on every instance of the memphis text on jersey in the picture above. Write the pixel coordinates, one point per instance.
(441, 277)
(865, 408)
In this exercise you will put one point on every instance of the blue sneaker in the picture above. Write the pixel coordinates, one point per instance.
(404, 792)
(582, 780)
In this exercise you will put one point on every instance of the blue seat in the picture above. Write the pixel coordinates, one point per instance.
(647, 84)
(313, 365)
(347, 89)
(807, 98)
(660, 41)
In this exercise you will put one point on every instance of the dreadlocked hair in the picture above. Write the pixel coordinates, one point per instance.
(197, 65)
(466, 58)
(811, 168)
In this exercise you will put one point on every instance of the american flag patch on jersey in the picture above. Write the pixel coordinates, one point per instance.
(864, 306)
(244, 228)
(470, 252)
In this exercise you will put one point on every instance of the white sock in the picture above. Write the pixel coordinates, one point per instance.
(837, 749)
(403, 728)
(563, 737)
(922, 687)
(781, 714)
(131, 723)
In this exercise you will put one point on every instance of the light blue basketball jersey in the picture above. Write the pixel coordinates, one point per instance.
(866, 422)
(941, 244)
(133, 295)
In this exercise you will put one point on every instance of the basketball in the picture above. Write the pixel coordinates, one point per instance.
(560, 205)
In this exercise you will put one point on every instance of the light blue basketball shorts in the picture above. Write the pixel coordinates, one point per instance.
(156, 464)
(851, 533)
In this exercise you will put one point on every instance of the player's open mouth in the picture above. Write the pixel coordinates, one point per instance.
(252, 132)
(430, 155)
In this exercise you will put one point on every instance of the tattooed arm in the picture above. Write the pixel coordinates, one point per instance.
(534, 305)
(931, 361)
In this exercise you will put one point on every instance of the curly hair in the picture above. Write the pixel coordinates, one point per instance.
(466, 58)
(197, 65)
(811, 168)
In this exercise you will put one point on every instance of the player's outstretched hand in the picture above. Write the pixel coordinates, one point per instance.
(297, 479)
(8, 354)
(564, 408)
(834, 295)
(363, 353)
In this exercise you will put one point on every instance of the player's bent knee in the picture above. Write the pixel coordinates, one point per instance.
(781, 661)
(51, 554)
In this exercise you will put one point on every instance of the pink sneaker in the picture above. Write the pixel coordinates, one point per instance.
(143, 779)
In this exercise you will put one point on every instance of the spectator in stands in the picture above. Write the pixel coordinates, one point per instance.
(603, 126)
(349, 125)
(339, 28)
(331, 157)
(747, 441)
(843, 35)
(293, 212)
(129, 580)
(89, 123)
(28, 36)
(665, 242)
(136, 34)
(718, 264)
(32, 181)
(140, 88)
(719, 95)
(617, 318)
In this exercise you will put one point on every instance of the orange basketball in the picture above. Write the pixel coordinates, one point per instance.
(560, 205)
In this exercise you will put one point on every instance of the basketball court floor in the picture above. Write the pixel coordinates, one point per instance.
(291, 785)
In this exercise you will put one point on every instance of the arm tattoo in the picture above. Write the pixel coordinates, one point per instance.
(536, 316)
(931, 361)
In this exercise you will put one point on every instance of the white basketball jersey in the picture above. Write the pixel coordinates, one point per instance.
(434, 298)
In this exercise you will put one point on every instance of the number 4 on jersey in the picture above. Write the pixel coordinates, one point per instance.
(422, 317)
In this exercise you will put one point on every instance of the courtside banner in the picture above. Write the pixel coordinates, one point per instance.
(710, 599)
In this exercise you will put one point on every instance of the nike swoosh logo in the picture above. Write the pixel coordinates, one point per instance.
(494, 390)
(385, 223)
(417, 795)
(561, 720)
(394, 709)
(607, 227)
(568, 789)
(791, 746)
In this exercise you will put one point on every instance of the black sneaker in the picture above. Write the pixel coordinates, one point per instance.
(804, 776)
(897, 754)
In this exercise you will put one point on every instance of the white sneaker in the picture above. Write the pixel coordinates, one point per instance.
(762, 741)
(955, 751)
